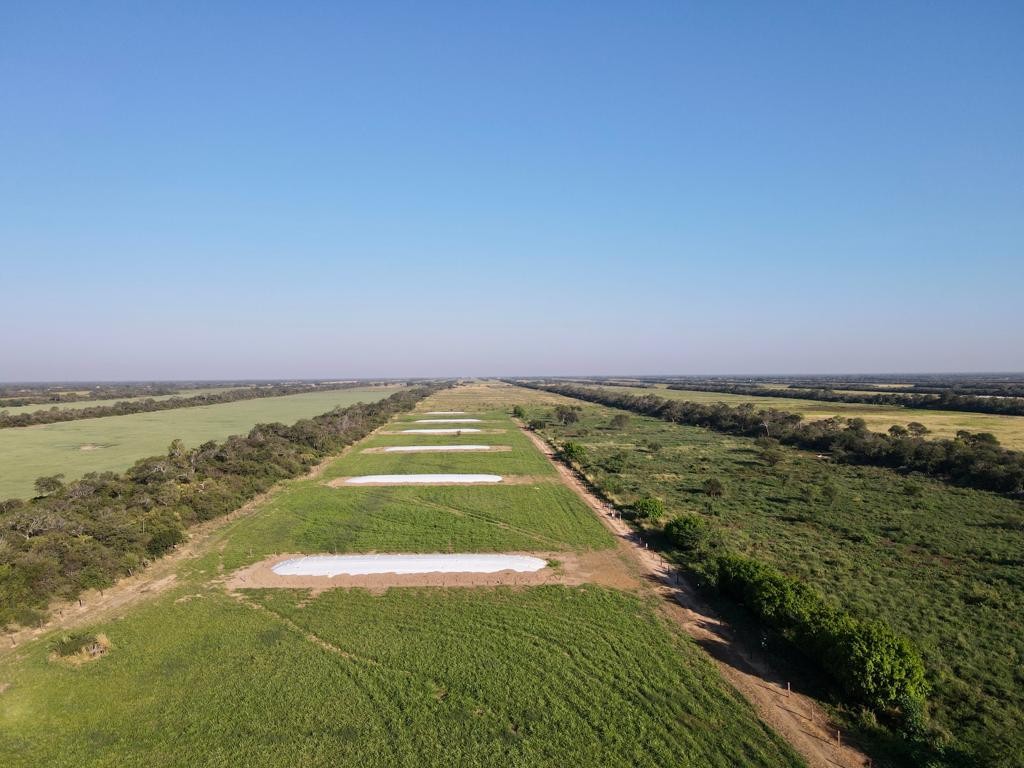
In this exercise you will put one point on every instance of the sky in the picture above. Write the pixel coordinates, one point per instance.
(262, 190)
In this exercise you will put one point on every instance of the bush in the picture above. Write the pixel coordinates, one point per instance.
(690, 533)
(519, 412)
(574, 453)
(649, 508)
(714, 488)
(72, 643)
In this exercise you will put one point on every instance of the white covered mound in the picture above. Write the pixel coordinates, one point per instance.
(436, 431)
(441, 448)
(367, 565)
(445, 413)
(447, 421)
(418, 479)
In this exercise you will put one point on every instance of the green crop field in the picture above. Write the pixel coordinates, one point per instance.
(114, 443)
(1009, 429)
(14, 410)
(538, 676)
(941, 564)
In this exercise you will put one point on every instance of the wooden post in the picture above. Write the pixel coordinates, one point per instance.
(839, 739)
(789, 689)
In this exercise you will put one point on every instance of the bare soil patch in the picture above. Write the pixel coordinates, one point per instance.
(568, 568)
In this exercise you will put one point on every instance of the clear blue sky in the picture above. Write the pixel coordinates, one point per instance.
(298, 189)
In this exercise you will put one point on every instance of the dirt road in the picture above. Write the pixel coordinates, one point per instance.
(795, 717)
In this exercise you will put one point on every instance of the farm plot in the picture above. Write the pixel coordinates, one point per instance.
(114, 443)
(547, 676)
(1009, 429)
(212, 673)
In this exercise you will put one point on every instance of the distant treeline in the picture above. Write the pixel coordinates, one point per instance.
(124, 407)
(92, 531)
(975, 460)
(18, 396)
(946, 400)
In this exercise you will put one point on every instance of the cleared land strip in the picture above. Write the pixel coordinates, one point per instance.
(114, 443)
(797, 718)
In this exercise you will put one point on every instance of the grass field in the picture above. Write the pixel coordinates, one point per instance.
(541, 676)
(1009, 429)
(14, 410)
(942, 564)
(116, 442)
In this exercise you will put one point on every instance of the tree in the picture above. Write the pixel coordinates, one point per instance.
(573, 453)
(917, 429)
(689, 532)
(649, 508)
(49, 484)
(567, 414)
(619, 421)
(714, 488)
(519, 412)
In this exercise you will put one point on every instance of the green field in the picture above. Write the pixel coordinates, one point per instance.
(941, 564)
(1009, 429)
(75, 405)
(541, 676)
(114, 443)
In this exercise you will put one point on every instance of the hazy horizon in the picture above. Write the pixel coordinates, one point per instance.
(242, 191)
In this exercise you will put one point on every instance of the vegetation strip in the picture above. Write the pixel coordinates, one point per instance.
(944, 401)
(926, 558)
(972, 460)
(92, 531)
(147, 405)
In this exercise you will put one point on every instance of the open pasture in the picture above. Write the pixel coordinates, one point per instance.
(1009, 429)
(545, 676)
(114, 443)
(941, 564)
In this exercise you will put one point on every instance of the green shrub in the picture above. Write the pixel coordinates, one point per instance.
(649, 508)
(691, 533)
(71, 643)
(573, 452)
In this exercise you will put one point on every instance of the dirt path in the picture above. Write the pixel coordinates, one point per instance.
(795, 717)
(159, 576)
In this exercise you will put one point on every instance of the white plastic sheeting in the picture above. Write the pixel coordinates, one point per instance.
(447, 421)
(437, 431)
(439, 448)
(417, 479)
(367, 565)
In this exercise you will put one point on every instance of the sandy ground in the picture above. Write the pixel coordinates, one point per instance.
(343, 482)
(795, 717)
(570, 568)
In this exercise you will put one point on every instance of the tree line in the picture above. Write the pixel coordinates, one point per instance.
(147, 405)
(974, 460)
(945, 400)
(88, 533)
